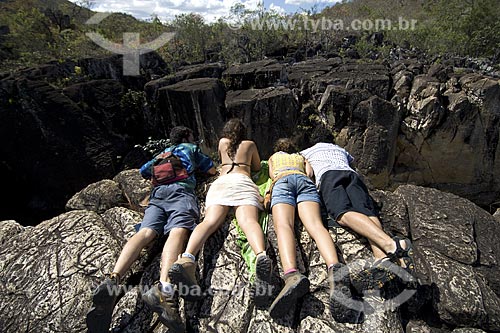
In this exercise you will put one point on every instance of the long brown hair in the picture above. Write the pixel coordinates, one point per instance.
(235, 131)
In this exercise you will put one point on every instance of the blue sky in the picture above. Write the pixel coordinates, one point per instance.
(209, 9)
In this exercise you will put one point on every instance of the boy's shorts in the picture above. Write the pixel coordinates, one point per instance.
(343, 191)
(171, 206)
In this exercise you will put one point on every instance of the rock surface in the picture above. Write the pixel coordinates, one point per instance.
(407, 120)
(425, 137)
(49, 270)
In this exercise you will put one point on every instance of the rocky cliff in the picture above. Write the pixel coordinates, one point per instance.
(65, 126)
(47, 272)
(406, 120)
(424, 134)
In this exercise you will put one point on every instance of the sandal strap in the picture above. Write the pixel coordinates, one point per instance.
(116, 276)
(393, 256)
(399, 252)
(381, 260)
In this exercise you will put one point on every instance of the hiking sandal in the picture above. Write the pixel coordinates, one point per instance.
(406, 255)
(374, 277)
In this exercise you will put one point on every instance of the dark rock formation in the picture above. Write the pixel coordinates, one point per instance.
(60, 139)
(259, 74)
(54, 148)
(49, 270)
(405, 121)
(195, 103)
(184, 73)
(269, 113)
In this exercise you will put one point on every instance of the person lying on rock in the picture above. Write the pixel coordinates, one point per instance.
(348, 202)
(293, 189)
(233, 188)
(173, 212)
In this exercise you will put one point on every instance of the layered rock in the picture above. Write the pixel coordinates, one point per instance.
(457, 259)
(195, 103)
(49, 270)
(259, 74)
(269, 114)
(449, 138)
(67, 125)
(406, 121)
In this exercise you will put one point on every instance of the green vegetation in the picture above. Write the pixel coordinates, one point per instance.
(35, 31)
(460, 27)
(132, 101)
(54, 30)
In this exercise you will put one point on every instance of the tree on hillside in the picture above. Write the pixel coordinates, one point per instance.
(190, 42)
(30, 34)
(465, 27)
(256, 33)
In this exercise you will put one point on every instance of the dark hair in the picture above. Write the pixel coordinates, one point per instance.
(285, 145)
(321, 134)
(235, 131)
(179, 133)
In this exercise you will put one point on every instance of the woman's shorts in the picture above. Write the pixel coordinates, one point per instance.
(293, 189)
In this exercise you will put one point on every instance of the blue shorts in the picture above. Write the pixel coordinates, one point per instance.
(171, 206)
(293, 189)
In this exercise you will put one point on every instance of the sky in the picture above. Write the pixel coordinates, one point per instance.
(211, 10)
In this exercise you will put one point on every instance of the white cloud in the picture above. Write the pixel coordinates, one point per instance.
(277, 9)
(211, 10)
(168, 9)
(309, 2)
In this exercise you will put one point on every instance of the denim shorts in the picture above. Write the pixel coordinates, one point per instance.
(171, 206)
(293, 189)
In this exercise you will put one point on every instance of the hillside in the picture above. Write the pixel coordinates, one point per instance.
(466, 28)
(33, 32)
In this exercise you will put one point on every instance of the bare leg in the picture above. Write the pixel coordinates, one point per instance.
(214, 217)
(378, 253)
(173, 247)
(283, 219)
(310, 215)
(132, 249)
(248, 220)
(364, 226)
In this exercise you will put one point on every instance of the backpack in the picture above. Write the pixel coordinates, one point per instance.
(167, 169)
